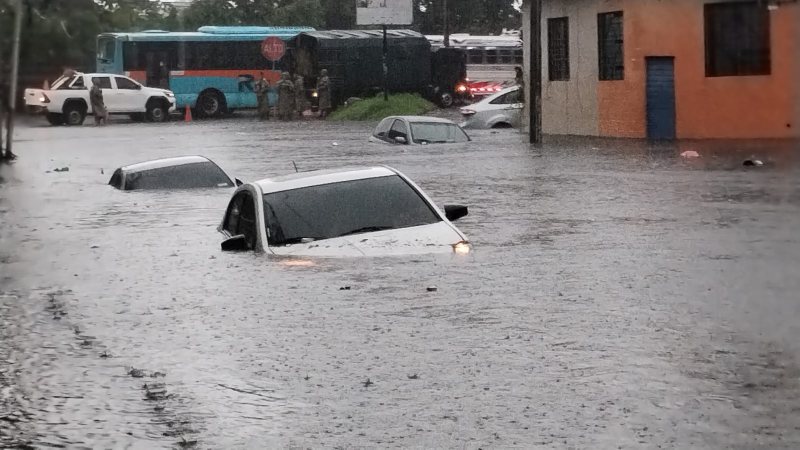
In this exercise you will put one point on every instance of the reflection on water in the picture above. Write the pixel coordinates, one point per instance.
(617, 294)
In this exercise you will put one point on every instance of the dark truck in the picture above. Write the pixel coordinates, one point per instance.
(354, 60)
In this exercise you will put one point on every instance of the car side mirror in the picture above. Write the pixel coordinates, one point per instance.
(138, 87)
(238, 182)
(400, 140)
(236, 243)
(455, 212)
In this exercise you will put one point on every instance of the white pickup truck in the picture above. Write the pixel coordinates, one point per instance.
(67, 100)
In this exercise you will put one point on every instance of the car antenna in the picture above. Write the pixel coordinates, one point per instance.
(295, 167)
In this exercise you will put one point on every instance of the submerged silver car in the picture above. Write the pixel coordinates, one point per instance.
(418, 130)
(501, 110)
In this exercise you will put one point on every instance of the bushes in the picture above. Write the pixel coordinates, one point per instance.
(376, 108)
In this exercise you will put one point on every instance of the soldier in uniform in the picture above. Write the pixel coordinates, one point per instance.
(98, 104)
(262, 90)
(324, 93)
(285, 97)
(299, 95)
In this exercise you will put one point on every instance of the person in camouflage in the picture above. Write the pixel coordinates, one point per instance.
(262, 93)
(285, 97)
(324, 93)
(299, 95)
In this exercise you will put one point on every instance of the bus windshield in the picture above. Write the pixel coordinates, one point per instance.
(106, 49)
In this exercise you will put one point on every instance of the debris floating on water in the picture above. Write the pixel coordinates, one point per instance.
(690, 154)
(432, 289)
(753, 163)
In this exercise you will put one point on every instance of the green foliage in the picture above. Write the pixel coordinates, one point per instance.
(63, 33)
(313, 13)
(376, 108)
(466, 16)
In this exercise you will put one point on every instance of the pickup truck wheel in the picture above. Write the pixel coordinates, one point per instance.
(55, 118)
(156, 112)
(210, 104)
(74, 115)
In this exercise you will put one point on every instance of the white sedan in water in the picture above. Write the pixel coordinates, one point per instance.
(501, 110)
(371, 211)
(418, 130)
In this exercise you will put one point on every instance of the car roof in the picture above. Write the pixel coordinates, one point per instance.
(165, 162)
(422, 119)
(320, 177)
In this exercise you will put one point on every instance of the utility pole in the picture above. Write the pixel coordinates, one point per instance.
(12, 88)
(534, 91)
(385, 65)
(446, 24)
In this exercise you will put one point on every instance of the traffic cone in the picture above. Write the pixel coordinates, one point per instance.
(187, 117)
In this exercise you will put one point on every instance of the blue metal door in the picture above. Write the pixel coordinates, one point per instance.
(660, 98)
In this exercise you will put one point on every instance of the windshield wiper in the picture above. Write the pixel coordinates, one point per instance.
(297, 240)
(366, 230)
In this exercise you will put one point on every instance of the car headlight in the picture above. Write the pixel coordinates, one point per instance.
(169, 94)
(462, 248)
(315, 94)
(467, 112)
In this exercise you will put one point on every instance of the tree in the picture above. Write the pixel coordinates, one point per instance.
(255, 12)
(467, 16)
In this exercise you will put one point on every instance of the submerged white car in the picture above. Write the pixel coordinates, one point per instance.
(501, 110)
(371, 211)
(418, 130)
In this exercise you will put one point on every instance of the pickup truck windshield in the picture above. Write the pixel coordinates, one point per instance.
(342, 209)
(437, 133)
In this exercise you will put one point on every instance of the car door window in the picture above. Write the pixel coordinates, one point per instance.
(78, 83)
(124, 83)
(240, 218)
(398, 129)
(382, 129)
(506, 99)
(103, 82)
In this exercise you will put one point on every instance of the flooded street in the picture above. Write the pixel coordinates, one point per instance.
(618, 296)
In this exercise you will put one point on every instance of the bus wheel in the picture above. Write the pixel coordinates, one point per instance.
(210, 104)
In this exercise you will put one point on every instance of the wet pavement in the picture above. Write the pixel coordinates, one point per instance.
(618, 296)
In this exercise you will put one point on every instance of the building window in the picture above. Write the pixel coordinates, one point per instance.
(558, 48)
(610, 46)
(737, 39)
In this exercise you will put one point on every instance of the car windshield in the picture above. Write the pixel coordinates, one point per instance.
(437, 133)
(185, 176)
(346, 208)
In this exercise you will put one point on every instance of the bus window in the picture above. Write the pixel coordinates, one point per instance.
(130, 56)
(518, 56)
(475, 55)
(506, 56)
(491, 56)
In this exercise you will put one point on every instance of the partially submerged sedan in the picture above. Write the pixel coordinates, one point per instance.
(372, 211)
(419, 130)
(183, 172)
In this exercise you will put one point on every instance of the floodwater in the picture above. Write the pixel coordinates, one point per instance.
(618, 296)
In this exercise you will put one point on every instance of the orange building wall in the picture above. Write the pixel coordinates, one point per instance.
(716, 107)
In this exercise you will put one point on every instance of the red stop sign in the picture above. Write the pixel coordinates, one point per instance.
(273, 48)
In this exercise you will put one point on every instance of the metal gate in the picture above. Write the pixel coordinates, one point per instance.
(661, 98)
